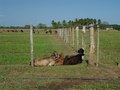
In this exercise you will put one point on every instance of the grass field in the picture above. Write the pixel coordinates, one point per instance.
(16, 74)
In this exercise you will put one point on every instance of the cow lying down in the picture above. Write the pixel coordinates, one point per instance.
(76, 59)
(47, 61)
(59, 59)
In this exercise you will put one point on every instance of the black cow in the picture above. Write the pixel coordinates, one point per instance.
(21, 30)
(76, 59)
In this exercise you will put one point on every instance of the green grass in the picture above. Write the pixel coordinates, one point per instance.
(16, 74)
(15, 47)
(110, 46)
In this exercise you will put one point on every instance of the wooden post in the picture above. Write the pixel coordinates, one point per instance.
(83, 39)
(92, 45)
(62, 34)
(31, 45)
(70, 37)
(66, 35)
(77, 38)
(73, 37)
(97, 45)
(58, 32)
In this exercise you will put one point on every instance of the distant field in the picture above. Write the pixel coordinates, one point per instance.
(15, 47)
(16, 74)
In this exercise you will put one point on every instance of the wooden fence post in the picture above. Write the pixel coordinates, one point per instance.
(97, 45)
(62, 34)
(66, 35)
(73, 37)
(70, 37)
(77, 38)
(83, 37)
(31, 45)
(59, 32)
(67, 39)
(92, 45)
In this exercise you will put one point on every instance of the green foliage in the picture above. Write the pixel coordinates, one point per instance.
(27, 26)
(54, 24)
(99, 21)
(76, 22)
(41, 26)
(115, 26)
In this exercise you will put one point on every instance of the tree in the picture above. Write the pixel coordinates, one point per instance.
(41, 26)
(104, 25)
(99, 21)
(54, 24)
(81, 21)
(64, 23)
(59, 25)
(77, 23)
(69, 23)
(27, 26)
(95, 21)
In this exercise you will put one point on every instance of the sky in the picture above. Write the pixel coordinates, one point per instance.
(24, 12)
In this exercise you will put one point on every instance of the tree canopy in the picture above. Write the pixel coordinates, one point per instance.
(76, 22)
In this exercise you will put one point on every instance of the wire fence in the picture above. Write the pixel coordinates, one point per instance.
(15, 44)
(81, 38)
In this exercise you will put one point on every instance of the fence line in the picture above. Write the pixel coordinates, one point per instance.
(71, 36)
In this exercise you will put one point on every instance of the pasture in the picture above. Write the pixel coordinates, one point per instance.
(16, 74)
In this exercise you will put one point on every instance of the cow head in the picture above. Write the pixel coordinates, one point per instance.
(55, 55)
(81, 51)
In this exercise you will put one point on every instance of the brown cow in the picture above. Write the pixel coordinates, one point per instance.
(50, 31)
(56, 32)
(48, 61)
(60, 60)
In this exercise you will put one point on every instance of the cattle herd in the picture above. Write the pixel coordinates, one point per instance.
(11, 30)
(49, 31)
(59, 59)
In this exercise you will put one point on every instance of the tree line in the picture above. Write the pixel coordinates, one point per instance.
(86, 21)
(74, 23)
(70, 23)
